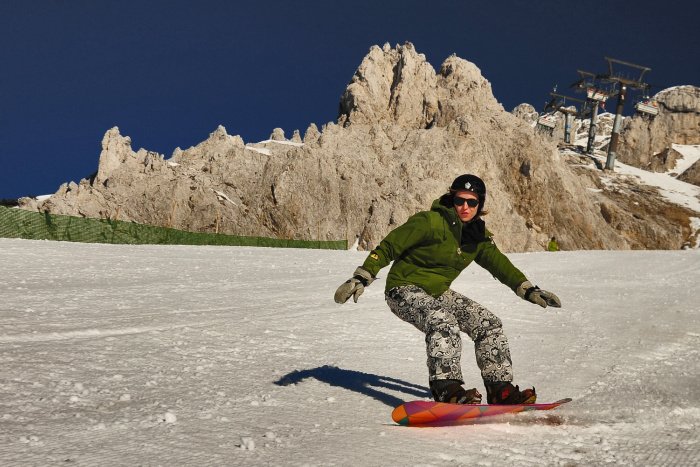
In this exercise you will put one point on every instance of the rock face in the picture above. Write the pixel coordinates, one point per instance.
(692, 174)
(398, 86)
(604, 126)
(678, 122)
(529, 115)
(403, 133)
(526, 112)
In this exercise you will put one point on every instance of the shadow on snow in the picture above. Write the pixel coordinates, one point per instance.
(357, 381)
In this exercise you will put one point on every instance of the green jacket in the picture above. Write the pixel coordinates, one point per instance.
(427, 251)
(553, 246)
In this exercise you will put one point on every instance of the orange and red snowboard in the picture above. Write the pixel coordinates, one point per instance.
(429, 413)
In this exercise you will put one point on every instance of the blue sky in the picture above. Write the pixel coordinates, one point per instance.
(167, 73)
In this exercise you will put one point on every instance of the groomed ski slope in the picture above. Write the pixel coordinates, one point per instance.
(178, 355)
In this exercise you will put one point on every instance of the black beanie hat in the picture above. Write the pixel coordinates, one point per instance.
(472, 183)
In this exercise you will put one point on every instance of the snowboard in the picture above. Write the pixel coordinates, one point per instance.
(429, 413)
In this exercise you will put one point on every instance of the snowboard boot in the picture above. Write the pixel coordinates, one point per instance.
(451, 390)
(504, 393)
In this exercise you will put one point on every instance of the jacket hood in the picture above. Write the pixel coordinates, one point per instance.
(474, 230)
(443, 205)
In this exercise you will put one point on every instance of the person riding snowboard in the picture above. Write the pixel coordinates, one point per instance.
(429, 251)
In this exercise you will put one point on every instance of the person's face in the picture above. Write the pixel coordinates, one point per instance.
(462, 199)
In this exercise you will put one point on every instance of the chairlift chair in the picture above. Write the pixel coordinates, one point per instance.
(547, 120)
(597, 94)
(647, 106)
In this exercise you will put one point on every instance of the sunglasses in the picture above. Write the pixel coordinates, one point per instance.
(471, 202)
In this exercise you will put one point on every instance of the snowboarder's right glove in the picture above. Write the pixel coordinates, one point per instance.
(353, 286)
(534, 294)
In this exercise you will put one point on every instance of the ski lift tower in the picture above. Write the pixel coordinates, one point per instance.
(546, 122)
(558, 103)
(625, 83)
(596, 96)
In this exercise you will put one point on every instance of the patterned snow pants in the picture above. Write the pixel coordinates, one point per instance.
(441, 319)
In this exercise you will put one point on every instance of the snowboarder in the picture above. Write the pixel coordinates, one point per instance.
(429, 251)
(553, 245)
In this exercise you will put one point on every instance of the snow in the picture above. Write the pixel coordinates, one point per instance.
(690, 153)
(267, 151)
(672, 189)
(602, 137)
(222, 196)
(675, 191)
(183, 355)
(277, 141)
(263, 151)
(695, 226)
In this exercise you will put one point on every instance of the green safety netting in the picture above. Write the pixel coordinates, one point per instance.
(18, 223)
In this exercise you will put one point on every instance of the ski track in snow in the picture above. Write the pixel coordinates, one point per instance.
(180, 355)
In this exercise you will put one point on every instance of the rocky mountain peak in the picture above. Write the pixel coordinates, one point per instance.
(643, 139)
(404, 132)
(116, 149)
(526, 112)
(219, 142)
(393, 85)
(277, 135)
(679, 99)
(398, 85)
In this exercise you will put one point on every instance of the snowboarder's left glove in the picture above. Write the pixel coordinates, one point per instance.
(353, 286)
(534, 294)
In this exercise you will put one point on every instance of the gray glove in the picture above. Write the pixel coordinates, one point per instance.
(353, 286)
(534, 294)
